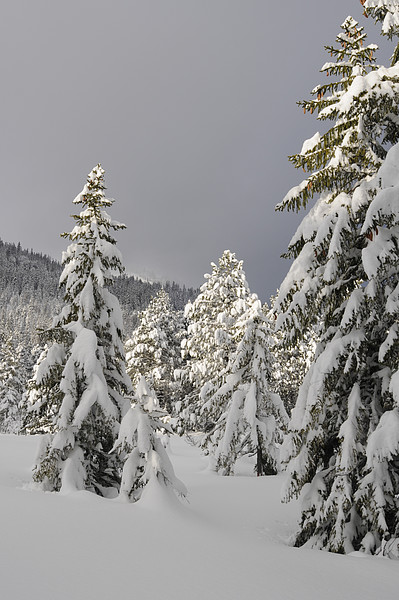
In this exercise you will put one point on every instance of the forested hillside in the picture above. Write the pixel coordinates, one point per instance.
(29, 294)
(29, 299)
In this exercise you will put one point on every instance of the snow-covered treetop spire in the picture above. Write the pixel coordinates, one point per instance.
(80, 384)
(93, 250)
(342, 156)
(94, 189)
(231, 268)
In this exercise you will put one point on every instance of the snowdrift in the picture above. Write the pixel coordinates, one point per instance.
(229, 541)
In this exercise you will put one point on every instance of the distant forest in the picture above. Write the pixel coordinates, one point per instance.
(30, 295)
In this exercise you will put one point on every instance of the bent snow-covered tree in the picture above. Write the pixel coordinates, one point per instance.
(146, 459)
(78, 389)
(341, 398)
(254, 418)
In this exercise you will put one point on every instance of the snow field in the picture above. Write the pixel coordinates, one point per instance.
(228, 542)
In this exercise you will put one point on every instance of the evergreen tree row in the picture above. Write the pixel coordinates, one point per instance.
(102, 430)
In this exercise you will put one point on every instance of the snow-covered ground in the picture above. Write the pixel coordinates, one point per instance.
(229, 542)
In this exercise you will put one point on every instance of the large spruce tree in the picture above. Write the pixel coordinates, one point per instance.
(341, 399)
(78, 389)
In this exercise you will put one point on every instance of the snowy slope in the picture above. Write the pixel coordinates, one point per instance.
(228, 542)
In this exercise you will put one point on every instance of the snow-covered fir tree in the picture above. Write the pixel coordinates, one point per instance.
(354, 146)
(339, 401)
(352, 501)
(139, 441)
(78, 389)
(12, 385)
(211, 337)
(153, 351)
(254, 417)
(376, 307)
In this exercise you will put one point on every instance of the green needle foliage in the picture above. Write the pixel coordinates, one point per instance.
(364, 116)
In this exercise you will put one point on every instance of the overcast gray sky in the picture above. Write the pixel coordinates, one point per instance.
(189, 105)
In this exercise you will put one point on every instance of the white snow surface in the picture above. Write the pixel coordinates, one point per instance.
(229, 542)
(309, 144)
